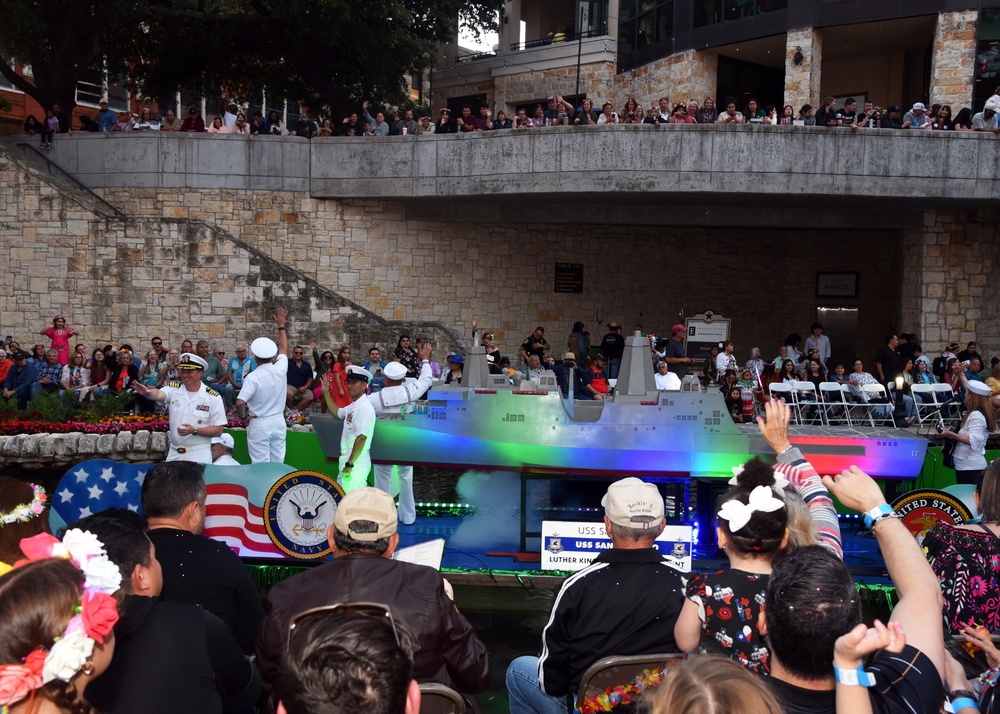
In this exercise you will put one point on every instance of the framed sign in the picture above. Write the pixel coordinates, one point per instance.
(703, 332)
(572, 545)
(569, 278)
(843, 285)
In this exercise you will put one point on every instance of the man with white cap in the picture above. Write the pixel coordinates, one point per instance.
(222, 451)
(262, 399)
(197, 412)
(363, 538)
(624, 603)
(359, 427)
(397, 397)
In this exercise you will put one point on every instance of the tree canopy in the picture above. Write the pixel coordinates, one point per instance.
(326, 53)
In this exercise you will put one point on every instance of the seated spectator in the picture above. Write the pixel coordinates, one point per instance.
(754, 114)
(170, 122)
(892, 119)
(708, 113)
(216, 376)
(455, 364)
(300, 379)
(170, 657)
(405, 126)
(535, 369)
(145, 121)
(813, 621)
(568, 369)
(5, 365)
(375, 365)
(446, 125)
(76, 378)
(258, 127)
(378, 126)
(585, 115)
(501, 121)
(194, 122)
(241, 126)
(806, 115)
(916, 118)
(217, 127)
(352, 126)
(305, 127)
(100, 373)
(239, 367)
(608, 115)
(706, 684)
(57, 623)
(125, 122)
(986, 120)
(170, 371)
(31, 126)
(730, 115)
(963, 120)
(624, 603)
(197, 570)
(149, 375)
(223, 446)
(599, 376)
(826, 115)
(273, 125)
(363, 537)
(348, 658)
(666, 381)
(966, 560)
(48, 374)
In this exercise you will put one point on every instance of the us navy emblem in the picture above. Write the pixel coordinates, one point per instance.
(298, 510)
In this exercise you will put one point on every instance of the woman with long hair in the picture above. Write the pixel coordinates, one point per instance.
(712, 685)
(978, 423)
(170, 371)
(100, 373)
(406, 356)
(338, 382)
(149, 375)
(708, 113)
(76, 377)
(59, 333)
(922, 374)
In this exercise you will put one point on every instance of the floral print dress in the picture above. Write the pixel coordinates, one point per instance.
(729, 605)
(967, 562)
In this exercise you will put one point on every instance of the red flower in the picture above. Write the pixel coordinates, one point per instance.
(100, 613)
(38, 547)
(36, 660)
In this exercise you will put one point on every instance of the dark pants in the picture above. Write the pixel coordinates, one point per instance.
(47, 136)
(968, 476)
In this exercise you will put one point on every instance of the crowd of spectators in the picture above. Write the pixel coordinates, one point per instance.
(556, 112)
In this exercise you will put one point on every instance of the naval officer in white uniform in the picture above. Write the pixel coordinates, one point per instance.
(263, 396)
(359, 427)
(397, 397)
(197, 412)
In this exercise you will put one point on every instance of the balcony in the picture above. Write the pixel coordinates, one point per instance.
(637, 174)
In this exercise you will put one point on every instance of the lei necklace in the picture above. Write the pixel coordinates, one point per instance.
(623, 695)
(93, 619)
(23, 512)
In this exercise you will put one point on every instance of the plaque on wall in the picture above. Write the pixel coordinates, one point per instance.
(843, 285)
(569, 278)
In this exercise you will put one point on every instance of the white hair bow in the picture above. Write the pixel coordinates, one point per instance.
(738, 513)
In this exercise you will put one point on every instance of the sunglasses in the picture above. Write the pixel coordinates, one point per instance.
(220, 352)
(157, 344)
(372, 609)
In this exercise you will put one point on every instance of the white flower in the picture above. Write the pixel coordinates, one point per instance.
(67, 656)
(82, 544)
(101, 575)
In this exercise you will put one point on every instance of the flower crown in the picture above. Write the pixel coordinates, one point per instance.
(93, 619)
(23, 512)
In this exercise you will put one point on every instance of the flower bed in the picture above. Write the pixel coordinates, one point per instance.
(108, 425)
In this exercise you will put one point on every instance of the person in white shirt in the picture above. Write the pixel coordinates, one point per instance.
(262, 398)
(222, 451)
(666, 381)
(397, 397)
(359, 427)
(818, 341)
(725, 360)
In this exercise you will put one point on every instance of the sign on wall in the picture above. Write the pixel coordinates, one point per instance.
(569, 278)
(572, 545)
(704, 332)
(843, 285)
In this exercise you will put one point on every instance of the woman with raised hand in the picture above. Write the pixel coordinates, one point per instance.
(59, 333)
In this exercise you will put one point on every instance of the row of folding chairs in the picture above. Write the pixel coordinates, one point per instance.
(837, 404)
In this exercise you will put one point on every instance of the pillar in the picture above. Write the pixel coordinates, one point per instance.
(953, 59)
(802, 81)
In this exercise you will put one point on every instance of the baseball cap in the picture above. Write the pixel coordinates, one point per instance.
(224, 439)
(394, 370)
(190, 361)
(677, 328)
(633, 503)
(263, 348)
(457, 359)
(366, 504)
(919, 106)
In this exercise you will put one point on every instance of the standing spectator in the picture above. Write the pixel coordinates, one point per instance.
(170, 122)
(818, 341)
(406, 125)
(258, 127)
(379, 126)
(585, 114)
(501, 121)
(535, 344)
(306, 127)
(888, 362)
(730, 115)
(755, 364)
(942, 122)
(376, 365)
(300, 378)
(806, 115)
(218, 127)
(146, 122)
(105, 117)
(916, 118)
(406, 355)
(979, 422)
(969, 352)
(445, 124)
(963, 120)
(194, 122)
(613, 347)
(708, 113)
(352, 126)
(826, 115)
(577, 341)
(273, 126)
(892, 118)
(673, 354)
(241, 126)
(59, 333)
(338, 377)
(608, 115)
(754, 114)
(726, 360)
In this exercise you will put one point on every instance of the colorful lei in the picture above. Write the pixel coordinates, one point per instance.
(622, 695)
(92, 621)
(23, 512)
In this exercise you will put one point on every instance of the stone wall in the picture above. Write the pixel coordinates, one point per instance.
(952, 59)
(680, 77)
(802, 81)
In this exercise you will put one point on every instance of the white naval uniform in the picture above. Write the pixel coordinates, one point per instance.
(264, 393)
(359, 419)
(203, 407)
(396, 400)
(226, 460)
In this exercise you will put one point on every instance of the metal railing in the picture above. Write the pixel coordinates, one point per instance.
(570, 37)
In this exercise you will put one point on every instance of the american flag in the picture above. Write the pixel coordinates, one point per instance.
(234, 506)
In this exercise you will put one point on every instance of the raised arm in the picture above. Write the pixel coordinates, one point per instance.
(280, 316)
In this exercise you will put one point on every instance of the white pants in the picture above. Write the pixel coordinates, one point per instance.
(383, 482)
(266, 439)
(357, 476)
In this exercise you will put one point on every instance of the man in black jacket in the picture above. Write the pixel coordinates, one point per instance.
(624, 603)
(363, 537)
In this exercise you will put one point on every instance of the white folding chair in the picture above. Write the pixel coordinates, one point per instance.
(949, 407)
(807, 403)
(880, 411)
(927, 407)
(783, 391)
(838, 408)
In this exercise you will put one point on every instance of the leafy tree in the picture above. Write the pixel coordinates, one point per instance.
(328, 53)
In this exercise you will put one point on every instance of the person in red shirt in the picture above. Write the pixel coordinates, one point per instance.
(598, 377)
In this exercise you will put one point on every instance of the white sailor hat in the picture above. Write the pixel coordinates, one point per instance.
(263, 348)
(395, 370)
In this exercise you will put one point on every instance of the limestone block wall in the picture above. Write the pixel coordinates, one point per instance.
(952, 59)
(951, 285)
(680, 77)
(802, 81)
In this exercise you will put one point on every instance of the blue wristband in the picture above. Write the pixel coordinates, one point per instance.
(854, 677)
(879, 513)
(962, 702)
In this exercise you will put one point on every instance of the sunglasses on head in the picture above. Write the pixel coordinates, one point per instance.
(372, 609)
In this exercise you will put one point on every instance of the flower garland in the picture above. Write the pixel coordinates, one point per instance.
(24, 512)
(622, 695)
(92, 621)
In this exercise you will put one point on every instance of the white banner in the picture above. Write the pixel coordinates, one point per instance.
(572, 545)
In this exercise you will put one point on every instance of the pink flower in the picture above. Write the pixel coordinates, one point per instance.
(41, 546)
(16, 682)
(977, 586)
(100, 613)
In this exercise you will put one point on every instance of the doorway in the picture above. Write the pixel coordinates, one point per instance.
(840, 324)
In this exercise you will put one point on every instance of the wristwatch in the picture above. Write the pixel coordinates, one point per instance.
(348, 465)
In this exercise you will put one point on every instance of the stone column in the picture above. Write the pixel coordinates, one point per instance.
(695, 76)
(510, 27)
(802, 81)
(953, 58)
